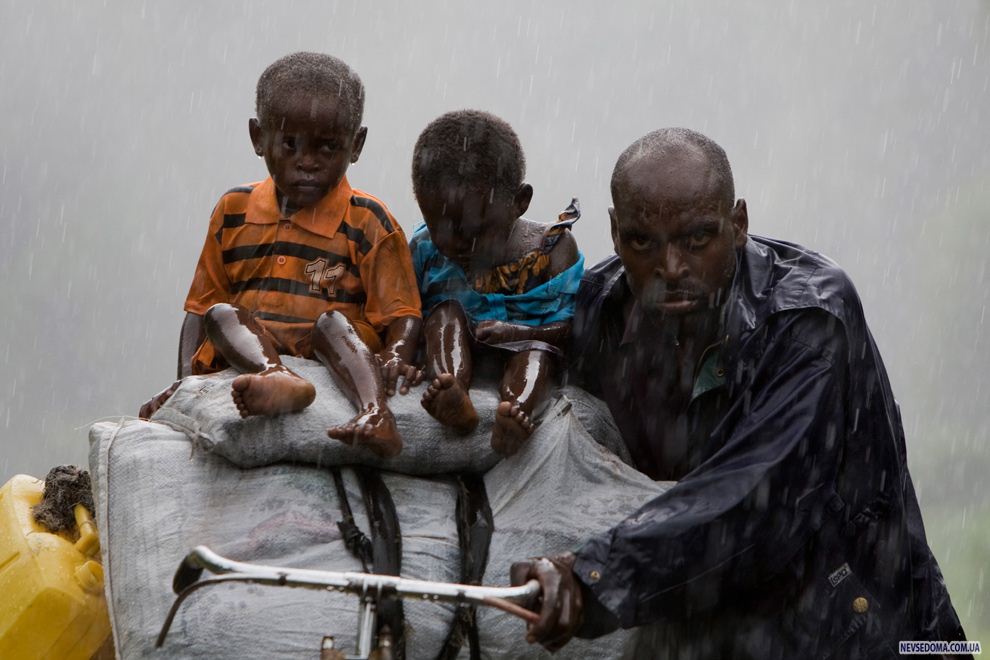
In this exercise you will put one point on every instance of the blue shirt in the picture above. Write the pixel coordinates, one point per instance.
(440, 280)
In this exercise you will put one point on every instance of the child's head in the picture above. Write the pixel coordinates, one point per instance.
(308, 127)
(467, 172)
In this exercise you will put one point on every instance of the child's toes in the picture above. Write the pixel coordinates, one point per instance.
(344, 433)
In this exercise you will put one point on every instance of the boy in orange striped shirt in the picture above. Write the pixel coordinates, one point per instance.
(302, 264)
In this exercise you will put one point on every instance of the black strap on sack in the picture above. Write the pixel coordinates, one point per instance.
(382, 553)
(474, 534)
(386, 552)
(357, 543)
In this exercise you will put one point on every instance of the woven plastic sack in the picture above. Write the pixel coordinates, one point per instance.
(159, 494)
(202, 408)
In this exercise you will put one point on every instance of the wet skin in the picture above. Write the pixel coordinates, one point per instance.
(448, 358)
(265, 386)
(359, 373)
(307, 148)
(561, 603)
(677, 237)
(478, 230)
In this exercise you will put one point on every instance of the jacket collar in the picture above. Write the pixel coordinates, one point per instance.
(771, 276)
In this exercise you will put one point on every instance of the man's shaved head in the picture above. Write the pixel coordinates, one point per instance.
(676, 226)
(670, 149)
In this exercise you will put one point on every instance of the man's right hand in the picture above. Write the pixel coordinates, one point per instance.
(156, 402)
(561, 603)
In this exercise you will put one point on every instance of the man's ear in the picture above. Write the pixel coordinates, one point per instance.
(254, 129)
(522, 199)
(359, 138)
(615, 229)
(740, 222)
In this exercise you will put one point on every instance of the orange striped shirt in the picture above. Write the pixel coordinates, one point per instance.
(347, 254)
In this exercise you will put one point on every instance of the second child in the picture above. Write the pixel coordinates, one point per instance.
(488, 277)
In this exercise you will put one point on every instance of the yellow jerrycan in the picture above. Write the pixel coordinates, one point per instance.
(51, 585)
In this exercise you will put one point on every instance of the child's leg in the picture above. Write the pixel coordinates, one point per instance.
(524, 386)
(355, 369)
(265, 386)
(448, 360)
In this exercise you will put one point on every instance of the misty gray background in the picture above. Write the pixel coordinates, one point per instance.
(856, 128)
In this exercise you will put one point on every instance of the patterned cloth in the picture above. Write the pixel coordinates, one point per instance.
(346, 254)
(522, 292)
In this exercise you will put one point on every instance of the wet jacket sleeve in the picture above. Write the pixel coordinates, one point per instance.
(738, 521)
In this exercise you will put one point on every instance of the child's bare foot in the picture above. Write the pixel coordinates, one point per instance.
(512, 428)
(450, 404)
(374, 429)
(270, 392)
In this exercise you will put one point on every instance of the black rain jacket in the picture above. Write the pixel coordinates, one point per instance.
(795, 531)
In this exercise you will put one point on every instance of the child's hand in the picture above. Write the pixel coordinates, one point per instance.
(394, 367)
(157, 401)
(498, 332)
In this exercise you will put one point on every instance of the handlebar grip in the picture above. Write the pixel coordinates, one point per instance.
(187, 574)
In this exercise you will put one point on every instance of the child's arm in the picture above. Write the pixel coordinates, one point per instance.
(499, 332)
(397, 357)
(392, 298)
(190, 338)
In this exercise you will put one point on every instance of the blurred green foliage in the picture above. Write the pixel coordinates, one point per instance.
(949, 449)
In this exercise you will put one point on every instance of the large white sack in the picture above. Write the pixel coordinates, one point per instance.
(158, 495)
(549, 499)
(157, 498)
(202, 408)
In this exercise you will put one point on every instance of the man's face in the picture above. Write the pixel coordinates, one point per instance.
(675, 239)
(307, 147)
(469, 225)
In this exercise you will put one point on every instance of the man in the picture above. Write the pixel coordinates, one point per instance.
(741, 367)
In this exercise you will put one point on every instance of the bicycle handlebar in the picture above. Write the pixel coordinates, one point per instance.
(187, 579)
